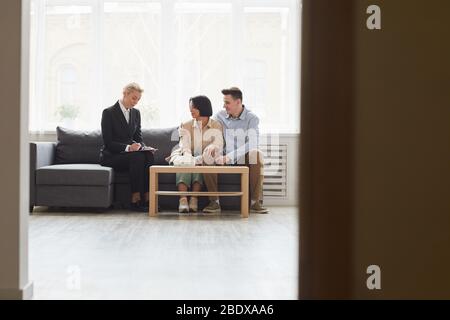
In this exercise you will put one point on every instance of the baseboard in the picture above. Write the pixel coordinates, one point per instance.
(280, 202)
(17, 294)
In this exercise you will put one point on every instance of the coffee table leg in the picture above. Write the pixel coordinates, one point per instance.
(244, 197)
(156, 198)
(153, 197)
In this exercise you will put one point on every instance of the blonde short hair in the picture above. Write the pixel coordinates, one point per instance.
(133, 86)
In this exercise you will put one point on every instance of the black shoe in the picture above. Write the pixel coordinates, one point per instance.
(145, 207)
(138, 207)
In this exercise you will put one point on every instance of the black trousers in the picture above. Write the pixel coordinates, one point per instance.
(137, 164)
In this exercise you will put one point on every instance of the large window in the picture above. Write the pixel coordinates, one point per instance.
(84, 51)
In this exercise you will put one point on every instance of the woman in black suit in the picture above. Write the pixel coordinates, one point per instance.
(122, 140)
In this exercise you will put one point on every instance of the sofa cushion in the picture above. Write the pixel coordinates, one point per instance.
(229, 179)
(75, 175)
(77, 146)
(123, 177)
(84, 146)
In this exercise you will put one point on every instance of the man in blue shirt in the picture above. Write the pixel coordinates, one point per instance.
(241, 135)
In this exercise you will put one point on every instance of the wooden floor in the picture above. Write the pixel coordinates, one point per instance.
(120, 255)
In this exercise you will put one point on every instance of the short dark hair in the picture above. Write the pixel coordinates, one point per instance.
(202, 104)
(235, 92)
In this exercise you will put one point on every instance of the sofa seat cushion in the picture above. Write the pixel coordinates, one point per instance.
(123, 177)
(75, 175)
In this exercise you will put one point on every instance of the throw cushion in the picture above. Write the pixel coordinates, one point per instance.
(84, 146)
(77, 146)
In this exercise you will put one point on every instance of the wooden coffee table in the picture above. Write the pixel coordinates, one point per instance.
(154, 192)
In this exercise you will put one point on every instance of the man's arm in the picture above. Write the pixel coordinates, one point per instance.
(251, 141)
(107, 134)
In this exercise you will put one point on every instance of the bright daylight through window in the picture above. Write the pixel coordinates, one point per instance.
(84, 51)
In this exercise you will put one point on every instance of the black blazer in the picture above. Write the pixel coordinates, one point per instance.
(117, 133)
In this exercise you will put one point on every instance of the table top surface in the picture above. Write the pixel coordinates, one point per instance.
(199, 169)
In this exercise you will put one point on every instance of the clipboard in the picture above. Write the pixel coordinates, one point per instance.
(143, 149)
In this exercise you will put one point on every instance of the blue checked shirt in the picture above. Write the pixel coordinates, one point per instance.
(241, 134)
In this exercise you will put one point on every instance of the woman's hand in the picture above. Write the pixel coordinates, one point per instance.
(209, 154)
(222, 160)
(135, 146)
(210, 151)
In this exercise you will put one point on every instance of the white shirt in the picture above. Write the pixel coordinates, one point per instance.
(126, 114)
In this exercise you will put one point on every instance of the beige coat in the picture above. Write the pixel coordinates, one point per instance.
(194, 140)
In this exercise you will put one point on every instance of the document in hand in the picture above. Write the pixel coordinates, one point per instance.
(148, 149)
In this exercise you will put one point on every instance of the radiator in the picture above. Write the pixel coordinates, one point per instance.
(275, 170)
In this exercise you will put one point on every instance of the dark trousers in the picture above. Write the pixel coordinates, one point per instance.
(137, 164)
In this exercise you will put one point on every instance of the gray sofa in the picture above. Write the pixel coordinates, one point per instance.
(67, 173)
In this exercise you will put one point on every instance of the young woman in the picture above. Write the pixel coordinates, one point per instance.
(201, 141)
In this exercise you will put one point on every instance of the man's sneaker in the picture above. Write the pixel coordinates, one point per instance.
(183, 207)
(212, 207)
(193, 204)
(258, 208)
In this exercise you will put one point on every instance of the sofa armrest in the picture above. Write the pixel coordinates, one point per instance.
(41, 154)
